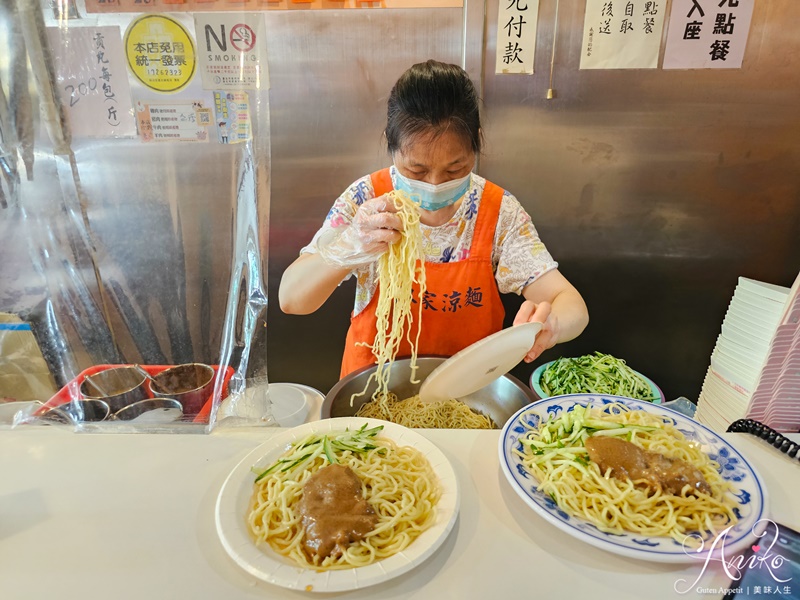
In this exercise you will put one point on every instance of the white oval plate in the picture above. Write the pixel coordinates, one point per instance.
(264, 563)
(479, 364)
(749, 489)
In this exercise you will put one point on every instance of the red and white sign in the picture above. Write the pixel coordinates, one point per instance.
(243, 38)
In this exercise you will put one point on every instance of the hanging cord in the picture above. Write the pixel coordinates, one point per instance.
(781, 442)
(551, 93)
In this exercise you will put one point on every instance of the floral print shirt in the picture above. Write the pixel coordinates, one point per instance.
(518, 255)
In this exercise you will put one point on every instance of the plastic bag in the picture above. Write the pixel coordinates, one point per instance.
(137, 263)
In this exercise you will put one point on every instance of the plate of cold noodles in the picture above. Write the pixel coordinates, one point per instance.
(631, 477)
(338, 504)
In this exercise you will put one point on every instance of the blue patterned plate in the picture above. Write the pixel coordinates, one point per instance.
(749, 489)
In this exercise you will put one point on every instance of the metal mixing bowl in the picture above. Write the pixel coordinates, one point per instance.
(499, 400)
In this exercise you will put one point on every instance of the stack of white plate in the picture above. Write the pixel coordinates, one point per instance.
(752, 373)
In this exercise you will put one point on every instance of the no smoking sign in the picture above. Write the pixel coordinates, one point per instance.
(232, 52)
(243, 38)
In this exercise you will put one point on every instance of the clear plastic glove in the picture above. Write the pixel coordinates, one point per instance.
(374, 226)
(539, 313)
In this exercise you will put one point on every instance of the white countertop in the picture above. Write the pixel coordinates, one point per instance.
(132, 516)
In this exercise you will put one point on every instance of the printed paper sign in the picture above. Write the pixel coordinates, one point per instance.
(707, 34)
(516, 35)
(91, 80)
(231, 50)
(173, 122)
(622, 34)
(232, 114)
(160, 53)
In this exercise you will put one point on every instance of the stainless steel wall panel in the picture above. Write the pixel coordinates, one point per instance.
(654, 189)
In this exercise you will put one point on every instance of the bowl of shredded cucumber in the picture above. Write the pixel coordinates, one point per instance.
(596, 373)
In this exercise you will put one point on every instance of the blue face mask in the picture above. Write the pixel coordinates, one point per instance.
(433, 197)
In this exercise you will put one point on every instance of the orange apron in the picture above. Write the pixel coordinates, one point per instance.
(461, 305)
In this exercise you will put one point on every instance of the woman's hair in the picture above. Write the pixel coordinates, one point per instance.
(432, 98)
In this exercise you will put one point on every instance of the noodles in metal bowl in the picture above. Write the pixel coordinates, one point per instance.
(744, 491)
(235, 503)
(498, 400)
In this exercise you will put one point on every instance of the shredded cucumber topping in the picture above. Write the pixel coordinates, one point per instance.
(316, 445)
(563, 437)
(596, 373)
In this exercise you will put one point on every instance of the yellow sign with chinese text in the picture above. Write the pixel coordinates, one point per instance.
(160, 53)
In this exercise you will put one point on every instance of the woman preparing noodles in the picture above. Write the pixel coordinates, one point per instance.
(477, 240)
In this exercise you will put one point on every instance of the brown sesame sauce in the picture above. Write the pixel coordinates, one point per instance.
(651, 469)
(334, 512)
